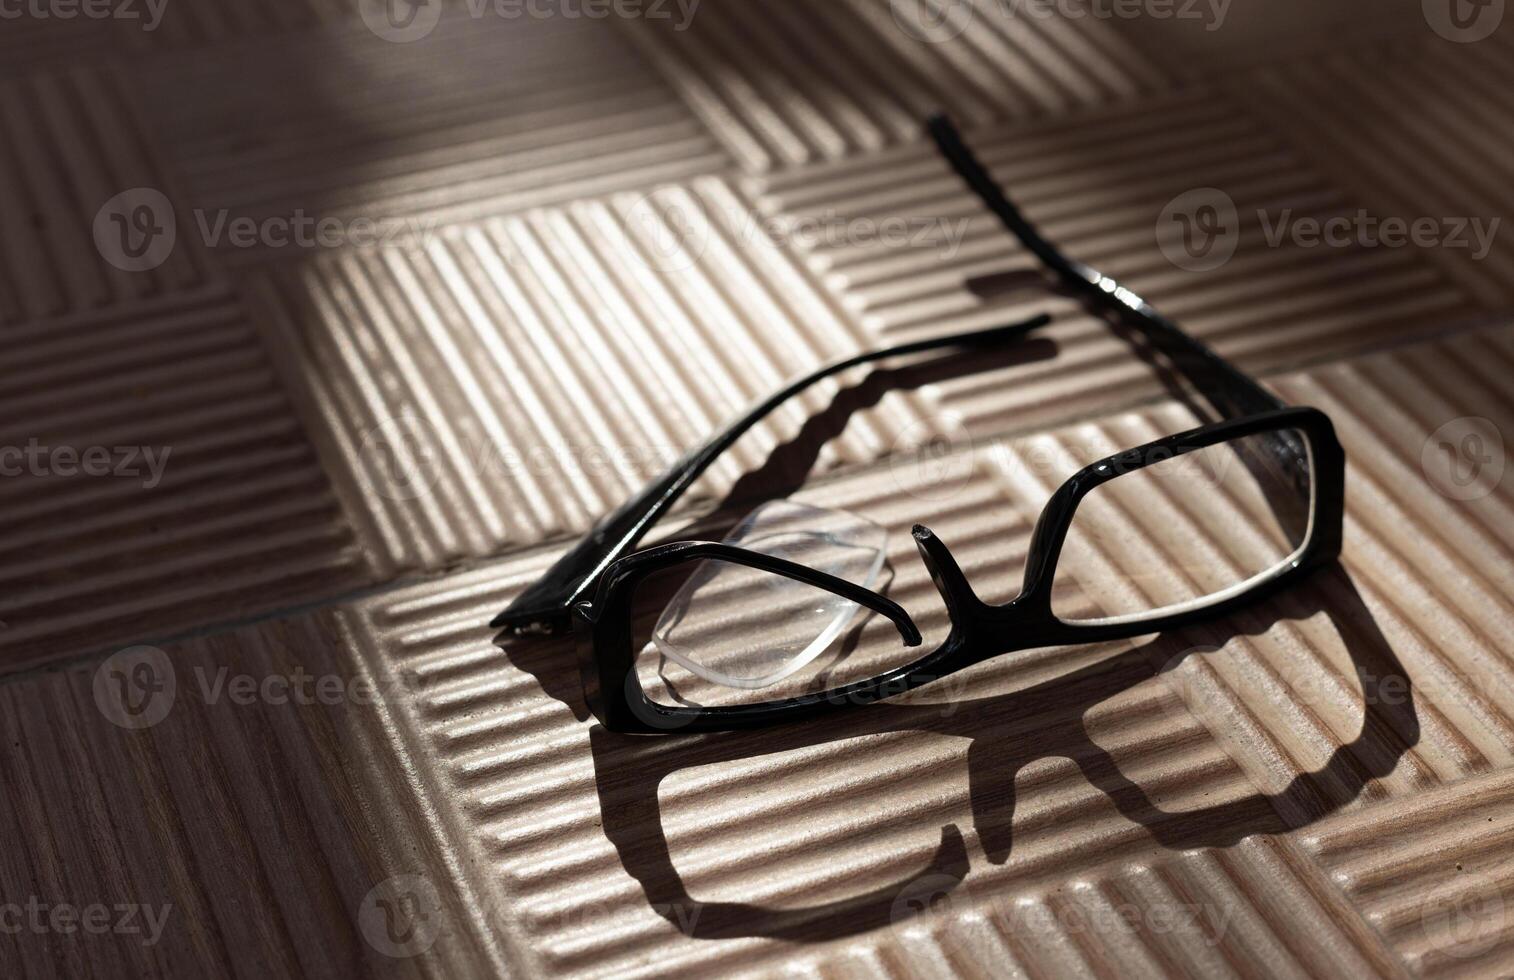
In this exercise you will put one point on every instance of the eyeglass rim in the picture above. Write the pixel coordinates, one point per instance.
(979, 631)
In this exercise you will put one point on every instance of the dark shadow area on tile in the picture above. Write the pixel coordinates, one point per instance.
(630, 769)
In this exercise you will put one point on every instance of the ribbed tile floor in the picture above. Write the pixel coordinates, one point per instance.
(557, 251)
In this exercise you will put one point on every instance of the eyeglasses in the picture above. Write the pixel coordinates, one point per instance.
(747, 619)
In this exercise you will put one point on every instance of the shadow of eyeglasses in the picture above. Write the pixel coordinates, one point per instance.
(1006, 732)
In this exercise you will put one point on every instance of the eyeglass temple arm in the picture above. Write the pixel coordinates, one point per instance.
(544, 607)
(1232, 392)
(1229, 389)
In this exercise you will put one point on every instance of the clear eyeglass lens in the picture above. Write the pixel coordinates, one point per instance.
(707, 626)
(1186, 531)
(726, 633)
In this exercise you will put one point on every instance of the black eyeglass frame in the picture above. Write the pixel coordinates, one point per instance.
(590, 586)
(979, 630)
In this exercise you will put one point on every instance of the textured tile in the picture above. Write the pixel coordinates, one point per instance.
(532, 371)
(156, 478)
(785, 83)
(615, 233)
(209, 22)
(523, 774)
(898, 238)
(1424, 141)
(72, 142)
(1431, 875)
(246, 835)
(1201, 913)
(575, 114)
(32, 44)
(1213, 37)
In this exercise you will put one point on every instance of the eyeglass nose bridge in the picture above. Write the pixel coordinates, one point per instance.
(962, 604)
(978, 627)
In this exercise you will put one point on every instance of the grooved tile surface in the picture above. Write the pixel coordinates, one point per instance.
(900, 240)
(1425, 143)
(155, 478)
(516, 378)
(226, 834)
(785, 83)
(478, 117)
(36, 45)
(1431, 874)
(423, 287)
(1213, 37)
(73, 141)
(215, 21)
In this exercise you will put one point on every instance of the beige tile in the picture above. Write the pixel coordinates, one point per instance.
(530, 372)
